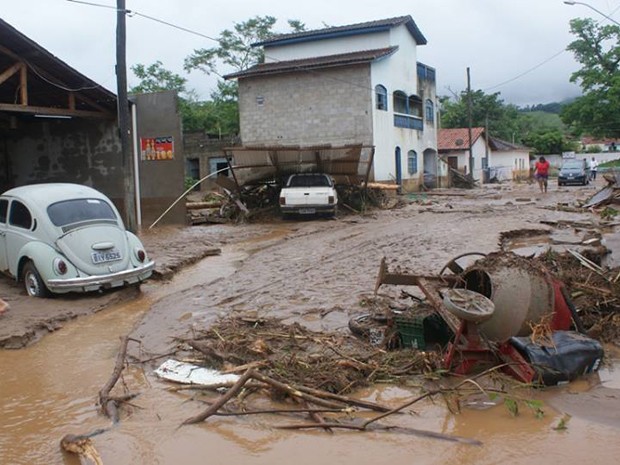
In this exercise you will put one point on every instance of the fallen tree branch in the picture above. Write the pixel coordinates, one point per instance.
(109, 404)
(392, 429)
(82, 446)
(232, 392)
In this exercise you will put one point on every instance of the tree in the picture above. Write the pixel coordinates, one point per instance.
(597, 49)
(502, 119)
(234, 50)
(155, 78)
(234, 47)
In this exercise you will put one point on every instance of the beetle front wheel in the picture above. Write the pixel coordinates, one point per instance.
(35, 287)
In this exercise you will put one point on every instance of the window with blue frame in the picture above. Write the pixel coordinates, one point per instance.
(429, 109)
(412, 162)
(381, 95)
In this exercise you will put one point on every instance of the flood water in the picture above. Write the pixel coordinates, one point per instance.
(50, 389)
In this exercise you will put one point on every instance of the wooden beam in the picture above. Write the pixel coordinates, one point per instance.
(23, 84)
(71, 101)
(54, 111)
(10, 72)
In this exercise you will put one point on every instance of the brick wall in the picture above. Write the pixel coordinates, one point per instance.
(330, 106)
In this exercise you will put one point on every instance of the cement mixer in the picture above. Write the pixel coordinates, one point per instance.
(523, 294)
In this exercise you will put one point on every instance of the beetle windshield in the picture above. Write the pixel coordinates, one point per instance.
(80, 210)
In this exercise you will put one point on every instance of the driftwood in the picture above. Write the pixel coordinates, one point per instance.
(465, 181)
(82, 446)
(109, 404)
(319, 398)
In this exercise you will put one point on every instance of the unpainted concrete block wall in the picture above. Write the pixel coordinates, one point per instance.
(328, 106)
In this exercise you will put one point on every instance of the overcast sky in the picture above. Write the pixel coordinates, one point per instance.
(498, 39)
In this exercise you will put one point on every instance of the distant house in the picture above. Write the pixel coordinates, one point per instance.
(338, 87)
(503, 160)
(604, 145)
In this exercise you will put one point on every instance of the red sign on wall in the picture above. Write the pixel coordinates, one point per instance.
(157, 148)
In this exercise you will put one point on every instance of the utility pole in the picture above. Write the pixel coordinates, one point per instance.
(469, 119)
(123, 118)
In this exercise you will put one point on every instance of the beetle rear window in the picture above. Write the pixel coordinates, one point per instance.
(79, 210)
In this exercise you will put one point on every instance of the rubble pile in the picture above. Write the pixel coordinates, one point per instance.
(337, 363)
(594, 291)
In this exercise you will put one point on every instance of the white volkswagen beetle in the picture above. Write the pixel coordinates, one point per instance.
(67, 237)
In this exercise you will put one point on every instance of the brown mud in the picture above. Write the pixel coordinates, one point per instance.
(314, 273)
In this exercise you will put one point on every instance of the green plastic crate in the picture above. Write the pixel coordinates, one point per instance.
(411, 331)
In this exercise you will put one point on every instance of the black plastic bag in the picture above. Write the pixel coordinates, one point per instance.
(571, 355)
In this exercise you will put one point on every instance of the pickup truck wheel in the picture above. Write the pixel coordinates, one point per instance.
(35, 287)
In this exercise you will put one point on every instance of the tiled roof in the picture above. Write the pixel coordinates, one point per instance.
(352, 29)
(457, 138)
(502, 145)
(328, 61)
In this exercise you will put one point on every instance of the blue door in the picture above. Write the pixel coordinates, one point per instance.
(399, 170)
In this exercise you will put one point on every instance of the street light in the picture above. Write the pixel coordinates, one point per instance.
(571, 2)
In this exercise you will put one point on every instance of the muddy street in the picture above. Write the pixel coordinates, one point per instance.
(318, 274)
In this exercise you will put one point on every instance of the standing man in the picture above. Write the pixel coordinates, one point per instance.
(593, 167)
(542, 173)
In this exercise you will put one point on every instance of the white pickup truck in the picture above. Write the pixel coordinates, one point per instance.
(308, 194)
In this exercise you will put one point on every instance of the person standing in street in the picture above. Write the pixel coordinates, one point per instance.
(593, 168)
(541, 173)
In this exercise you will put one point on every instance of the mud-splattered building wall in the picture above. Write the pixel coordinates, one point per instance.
(58, 150)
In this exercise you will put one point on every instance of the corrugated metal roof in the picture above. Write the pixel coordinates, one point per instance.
(343, 59)
(48, 76)
(347, 164)
(351, 29)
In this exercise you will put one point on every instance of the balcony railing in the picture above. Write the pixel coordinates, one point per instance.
(408, 122)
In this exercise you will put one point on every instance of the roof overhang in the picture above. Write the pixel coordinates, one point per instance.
(348, 164)
(35, 82)
(314, 63)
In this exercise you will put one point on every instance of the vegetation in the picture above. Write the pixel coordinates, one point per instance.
(597, 49)
(533, 127)
(220, 114)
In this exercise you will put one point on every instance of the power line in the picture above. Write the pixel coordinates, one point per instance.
(132, 13)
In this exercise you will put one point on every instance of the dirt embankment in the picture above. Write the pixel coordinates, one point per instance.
(30, 318)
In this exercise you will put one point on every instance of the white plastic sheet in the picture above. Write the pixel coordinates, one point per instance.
(186, 373)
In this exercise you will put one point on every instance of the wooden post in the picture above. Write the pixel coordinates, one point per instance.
(123, 118)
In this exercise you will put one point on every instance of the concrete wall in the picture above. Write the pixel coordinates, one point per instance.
(330, 106)
(82, 151)
(205, 149)
(162, 181)
(322, 47)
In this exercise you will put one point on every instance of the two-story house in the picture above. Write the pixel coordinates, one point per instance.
(339, 86)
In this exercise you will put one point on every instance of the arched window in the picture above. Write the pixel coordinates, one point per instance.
(381, 95)
(412, 162)
(401, 103)
(429, 110)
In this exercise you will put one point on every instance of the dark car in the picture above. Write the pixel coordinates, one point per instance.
(574, 172)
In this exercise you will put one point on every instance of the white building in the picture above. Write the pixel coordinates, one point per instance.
(340, 86)
(503, 160)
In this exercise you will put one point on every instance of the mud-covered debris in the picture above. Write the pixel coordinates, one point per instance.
(595, 295)
(332, 362)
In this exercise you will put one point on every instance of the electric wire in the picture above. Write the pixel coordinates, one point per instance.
(132, 13)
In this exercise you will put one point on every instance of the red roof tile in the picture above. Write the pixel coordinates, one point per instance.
(457, 138)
